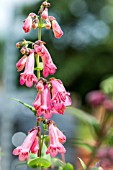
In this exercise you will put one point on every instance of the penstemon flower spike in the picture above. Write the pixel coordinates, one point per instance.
(51, 98)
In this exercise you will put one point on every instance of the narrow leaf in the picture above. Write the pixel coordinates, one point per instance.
(26, 105)
(82, 163)
(84, 117)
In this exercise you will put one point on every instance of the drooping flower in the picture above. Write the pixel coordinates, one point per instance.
(21, 63)
(49, 66)
(42, 103)
(35, 146)
(28, 77)
(61, 136)
(55, 146)
(56, 28)
(27, 24)
(60, 98)
(24, 149)
(44, 14)
(48, 24)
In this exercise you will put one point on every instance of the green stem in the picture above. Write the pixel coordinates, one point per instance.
(37, 56)
(39, 168)
(38, 66)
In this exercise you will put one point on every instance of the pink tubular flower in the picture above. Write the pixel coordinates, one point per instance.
(48, 24)
(49, 66)
(45, 14)
(28, 76)
(55, 146)
(35, 146)
(24, 149)
(40, 86)
(60, 98)
(42, 103)
(56, 28)
(21, 63)
(27, 24)
(61, 136)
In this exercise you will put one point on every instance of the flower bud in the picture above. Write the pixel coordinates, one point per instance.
(27, 24)
(23, 50)
(40, 86)
(56, 27)
(18, 44)
(45, 14)
(46, 4)
(48, 24)
(32, 15)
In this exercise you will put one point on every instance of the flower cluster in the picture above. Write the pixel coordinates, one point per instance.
(50, 22)
(52, 97)
(31, 143)
(52, 101)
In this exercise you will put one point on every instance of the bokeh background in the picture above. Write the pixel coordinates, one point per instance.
(84, 57)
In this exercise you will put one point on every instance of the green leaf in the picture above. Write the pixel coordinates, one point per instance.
(26, 105)
(43, 154)
(33, 156)
(84, 145)
(60, 168)
(84, 117)
(107, 85)
(38, 162)
(68, 166)
(57, 162)
(82, 163)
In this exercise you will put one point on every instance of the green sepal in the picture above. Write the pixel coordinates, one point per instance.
(41, 25)
(82, 163)
(26, 105)
(38, 162)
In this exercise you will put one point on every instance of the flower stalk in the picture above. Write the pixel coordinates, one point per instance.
(52, 97)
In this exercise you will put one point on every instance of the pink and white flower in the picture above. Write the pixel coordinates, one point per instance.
(49, 66)
(60, 98)
(42, 103)
(35, 146)
(45, 14)
(55, 146)
(28, 77)
(56, 28)
(21, 63)
(27, 24)
(61, 136)
(27, 146)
